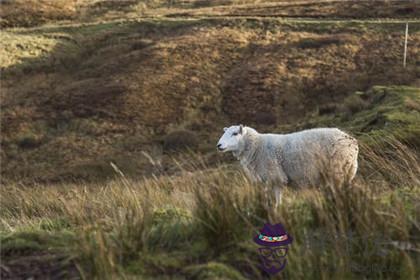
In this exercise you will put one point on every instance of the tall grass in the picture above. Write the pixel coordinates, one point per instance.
(200, 222)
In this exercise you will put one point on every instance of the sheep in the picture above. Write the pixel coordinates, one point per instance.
(305, 158)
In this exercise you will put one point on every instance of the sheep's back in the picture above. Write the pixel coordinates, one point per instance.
(312, 156)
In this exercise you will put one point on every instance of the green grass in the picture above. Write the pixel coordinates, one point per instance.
(388, 115)
(376, 114)
(200, 225)
(197, 221)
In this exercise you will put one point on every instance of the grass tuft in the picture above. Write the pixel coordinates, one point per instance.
(200, 223)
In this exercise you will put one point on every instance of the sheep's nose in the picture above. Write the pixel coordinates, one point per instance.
(219, 147)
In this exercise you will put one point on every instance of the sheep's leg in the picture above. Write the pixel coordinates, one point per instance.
(280, 181)
(274, 202)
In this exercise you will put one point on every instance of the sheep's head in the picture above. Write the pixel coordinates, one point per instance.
(232, 140)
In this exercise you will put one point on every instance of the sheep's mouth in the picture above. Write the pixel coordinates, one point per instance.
(221, 149)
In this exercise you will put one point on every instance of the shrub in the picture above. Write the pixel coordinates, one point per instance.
(317, 43)
(326, 109)
(171, 228)
(267, 118)
(29, 141)
(139, 45)
(354, 103)
(180, 140)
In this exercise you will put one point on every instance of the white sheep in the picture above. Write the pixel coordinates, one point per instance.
(305, 158)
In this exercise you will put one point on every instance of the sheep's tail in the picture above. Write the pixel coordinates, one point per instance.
(352, 165)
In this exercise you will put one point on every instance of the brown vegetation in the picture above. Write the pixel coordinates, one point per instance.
(28, 13)
(91, 88)
(110, 111)
(200, 223)
(180, 140)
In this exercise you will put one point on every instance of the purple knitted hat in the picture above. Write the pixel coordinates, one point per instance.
(273, 236)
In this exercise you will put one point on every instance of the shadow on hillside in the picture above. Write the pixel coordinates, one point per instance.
(108, 92)
(283, 82)
(68, 110)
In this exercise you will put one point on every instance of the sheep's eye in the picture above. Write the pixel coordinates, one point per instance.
(235, 133)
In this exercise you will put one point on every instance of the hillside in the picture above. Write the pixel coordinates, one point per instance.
(28, 13)
(75, 97)
(105, 82)
(110, 112)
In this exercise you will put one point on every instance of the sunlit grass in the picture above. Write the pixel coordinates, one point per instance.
(202, 223)
(18, 47)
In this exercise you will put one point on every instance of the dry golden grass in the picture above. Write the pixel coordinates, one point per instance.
(71, 93)
(29, 13)
(201, 222)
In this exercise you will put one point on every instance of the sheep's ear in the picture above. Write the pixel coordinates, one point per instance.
(241, 128)
(225, 128)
